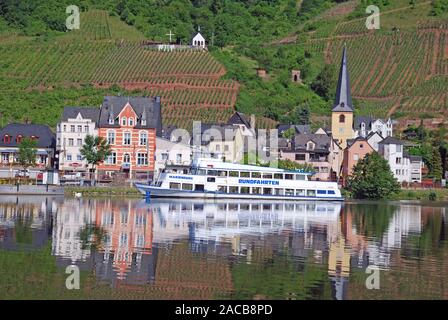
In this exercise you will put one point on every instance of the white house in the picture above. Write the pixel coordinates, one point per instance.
(171, 153)
(405, 168)
(198, 40)
(71, 131)
(363, 126)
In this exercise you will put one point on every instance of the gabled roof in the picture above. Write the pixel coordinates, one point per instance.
(372, 133)
(299, 128)
(46, 138)
(91, 113)
(216, 132)
(343, 101)
(146, 107)
(351, 142)
(239, 118)
(322, 141)
(391, 140)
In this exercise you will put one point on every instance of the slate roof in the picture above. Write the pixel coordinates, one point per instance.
(86, 113)
(146, 107)
(360, 119)
(322, 142)
(299, 128)
(350, 142)
(239, 118)
(343, 101)
(391, 140)
(217, 132)
(46, 138)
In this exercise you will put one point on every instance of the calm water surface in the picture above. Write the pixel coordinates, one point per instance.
(129, 249)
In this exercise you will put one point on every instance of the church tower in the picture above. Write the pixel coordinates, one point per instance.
(342, 112)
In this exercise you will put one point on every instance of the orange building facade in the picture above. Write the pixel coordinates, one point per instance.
(130, 126)
(355, 151)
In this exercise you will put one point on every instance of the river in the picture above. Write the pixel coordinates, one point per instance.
(131, 249)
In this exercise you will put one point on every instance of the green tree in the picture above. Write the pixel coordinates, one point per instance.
(95, 150)
(289, 134)
(303, 115)
(372, 178)
(325, 83)
(435, 165)
(27, 153)
(287, 164)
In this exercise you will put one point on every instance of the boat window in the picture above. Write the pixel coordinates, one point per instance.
(331, 192)
(255, 207)
(233, 174)
(222, 189)
(187, 186)
(222, 173)
(199, 187)
(300, 192)
(210, 179)
(266, 207)
(245, 190)
(233, 189)
(289, 176)
(212, 172)
(278, 176)
(311, 193)
(255, 175)
(289, 192)
(174, 185)
(321, 192)
(279, 192)
(244, 174)
(267, 190)
(300, 177)
(267, 175)
(256, 190)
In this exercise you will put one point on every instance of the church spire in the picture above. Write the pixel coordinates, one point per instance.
(343, 100)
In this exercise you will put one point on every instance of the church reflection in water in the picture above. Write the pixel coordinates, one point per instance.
(175, 245)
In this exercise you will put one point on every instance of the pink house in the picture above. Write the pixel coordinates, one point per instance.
(356, 150)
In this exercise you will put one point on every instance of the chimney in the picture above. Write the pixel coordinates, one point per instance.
(157, 99)
(252, 121)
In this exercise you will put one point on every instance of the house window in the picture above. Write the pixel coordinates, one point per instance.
(142, 159)
(79, 142)
(6, 139)
(112, 158)
(127, 138)
(398, 160)
(218, 147)
(69, 157)
(79, 157)
(123, 121)
(111, 137)
(79, 128)
(310, 146)
(131, 122)
(72, 128)
(70, 142)
(356, 157)
(143, 138)
(164, 156)
(86, 129)
(19, 138)
(179, 158)
(126, 158)
(300, 157)
(65, 128)
(341, 118)
(226, 148)
(123, 239)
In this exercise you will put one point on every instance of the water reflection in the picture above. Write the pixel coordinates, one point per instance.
(190, 249)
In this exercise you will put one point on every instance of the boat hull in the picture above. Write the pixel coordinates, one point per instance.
(157, 192)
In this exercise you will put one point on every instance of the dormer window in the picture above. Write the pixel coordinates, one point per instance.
(131, 122)
(310, 146)
(363, 126)
(143, 122)
(7, 139)
(123, 121)
(19, 138)
(342, 104)
(111, 120)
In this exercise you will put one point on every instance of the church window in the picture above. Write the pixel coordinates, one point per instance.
(341, 118)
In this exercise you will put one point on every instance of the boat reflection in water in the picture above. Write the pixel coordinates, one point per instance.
(191, 249)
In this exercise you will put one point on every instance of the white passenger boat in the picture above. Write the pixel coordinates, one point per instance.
(215, 179)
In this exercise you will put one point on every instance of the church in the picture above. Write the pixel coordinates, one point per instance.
(344, 126)
(198, 40)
